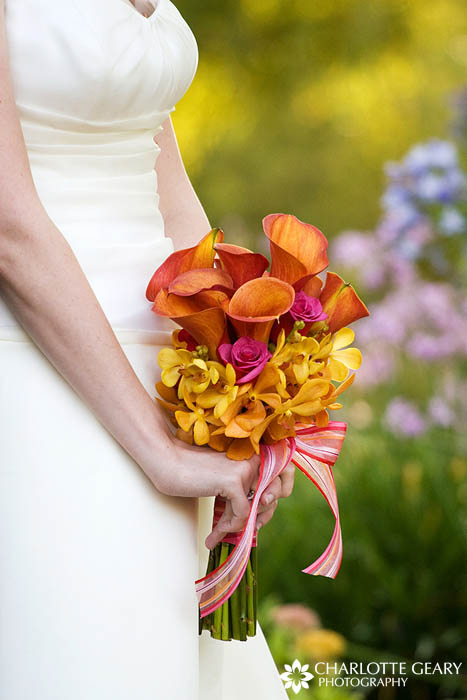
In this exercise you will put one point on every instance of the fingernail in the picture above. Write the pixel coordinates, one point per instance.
(259, 526)
(269, 499)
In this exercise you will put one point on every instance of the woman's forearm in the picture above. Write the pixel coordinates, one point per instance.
(48, 292)
(185, 220)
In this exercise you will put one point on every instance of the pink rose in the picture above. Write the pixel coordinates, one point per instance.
(306, 308)
(247, 356)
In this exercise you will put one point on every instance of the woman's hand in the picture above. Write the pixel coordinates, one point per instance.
(280, 487)
(195, 471)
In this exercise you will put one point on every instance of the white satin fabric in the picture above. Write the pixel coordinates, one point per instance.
(94, 81)
(97, 568)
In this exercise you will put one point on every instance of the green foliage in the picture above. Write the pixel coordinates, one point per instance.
(296, 104)
(295, 107)
(401, 587)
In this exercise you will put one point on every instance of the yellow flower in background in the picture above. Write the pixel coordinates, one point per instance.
(321, 644)
(342, 358)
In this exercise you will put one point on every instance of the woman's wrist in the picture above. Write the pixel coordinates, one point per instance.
(157, 448)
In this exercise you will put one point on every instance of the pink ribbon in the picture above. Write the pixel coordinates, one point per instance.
(314, 451)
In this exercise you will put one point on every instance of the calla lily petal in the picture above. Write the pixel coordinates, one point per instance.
(201, 315)
(173, 306)
(241, 264)
(298, 250)
(341, 303)
(194, 281)
(313, 287)
(257, 303)
(200, 256)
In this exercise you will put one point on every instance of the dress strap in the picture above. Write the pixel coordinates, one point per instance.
(145, 7)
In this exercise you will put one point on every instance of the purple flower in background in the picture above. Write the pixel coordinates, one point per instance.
(414, 320)
(451, 221)
(247, 356)
(433, 154)
(306, 308)
(403, 418)
(440, 412)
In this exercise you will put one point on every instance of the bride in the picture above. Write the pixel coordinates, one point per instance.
(104, 516)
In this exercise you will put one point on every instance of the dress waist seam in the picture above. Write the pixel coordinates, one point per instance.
(124, 336)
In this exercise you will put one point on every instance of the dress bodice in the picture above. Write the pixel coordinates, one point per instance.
(94, 82)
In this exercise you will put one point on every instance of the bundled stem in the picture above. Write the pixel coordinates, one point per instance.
(236, 618)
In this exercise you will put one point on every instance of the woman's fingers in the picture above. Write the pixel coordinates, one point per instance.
(270, 496)
(266, 516)
(287, 480)
(237, 506)
(228, 522)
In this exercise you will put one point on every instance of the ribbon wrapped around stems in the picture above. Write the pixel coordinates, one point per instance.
(314, 451)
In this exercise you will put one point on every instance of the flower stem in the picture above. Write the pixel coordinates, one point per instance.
(243, 621)
(251, 589)
(219, 620)
(235, 613)
(225, 623)
(217, 614)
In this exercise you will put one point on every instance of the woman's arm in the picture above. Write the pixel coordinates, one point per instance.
(186, 223)
(45, 287)
(184, 217)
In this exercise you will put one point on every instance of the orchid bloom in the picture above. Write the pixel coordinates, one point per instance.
(171, 361)
(222, 393)
(297, 355)
(197, 376)
(194, 417)
(342, 358)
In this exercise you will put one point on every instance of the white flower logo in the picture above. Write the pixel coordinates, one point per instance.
(296, 676)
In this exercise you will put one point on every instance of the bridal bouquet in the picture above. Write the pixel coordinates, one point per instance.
(261, 359)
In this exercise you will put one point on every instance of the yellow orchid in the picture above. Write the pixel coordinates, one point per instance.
(342, 358)
(307, 402)
(197, 376)
(295, 361)
(308, 399)
(171, 361)
(194, 418)
(221, 393)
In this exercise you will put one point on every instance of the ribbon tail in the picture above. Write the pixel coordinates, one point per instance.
(317, 450)
(215, 588)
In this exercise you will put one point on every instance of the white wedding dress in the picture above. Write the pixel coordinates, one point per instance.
(97, 597)
(97, 568)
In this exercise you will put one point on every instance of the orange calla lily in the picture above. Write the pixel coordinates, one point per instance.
(241, 264)
(201, 315)
(197, 280)
(256, 304)
(313, 287)
(298, 250)
(341, 303)
(200, 256)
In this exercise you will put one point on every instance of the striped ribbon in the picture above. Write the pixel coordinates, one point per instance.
(314, 451)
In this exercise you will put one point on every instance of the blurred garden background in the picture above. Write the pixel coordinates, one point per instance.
(352, 115)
